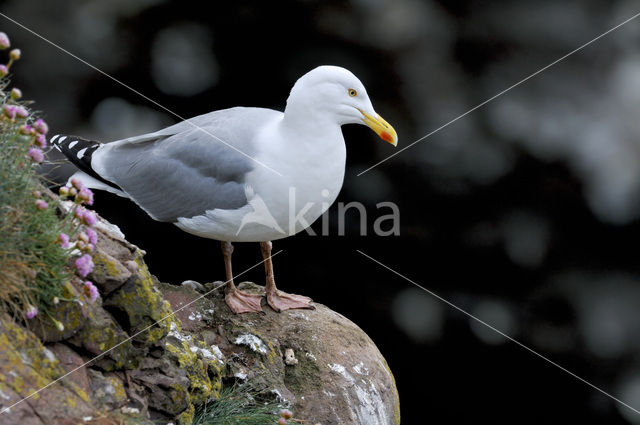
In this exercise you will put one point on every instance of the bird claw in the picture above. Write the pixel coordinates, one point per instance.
(240, 302)
(281, 301)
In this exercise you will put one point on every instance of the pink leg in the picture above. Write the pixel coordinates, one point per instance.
(238, 301)
(278, 300)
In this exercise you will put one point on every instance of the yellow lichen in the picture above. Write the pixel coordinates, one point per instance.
(110, 265)
(186, 417)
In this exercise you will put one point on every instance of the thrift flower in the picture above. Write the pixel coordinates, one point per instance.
(36, 194)
(41, 141)
(79, 213)
(9, 110)
(25, 129)
(286, 413)
(21, 111)
(36, 154)
(89, 218)
(93, 236)
(84, 265)
(41, 204)
(31, 312)
(282, 421)
(85, 196)
(76, 183)
(4, 41)
(15, 54)
(16, 94)
(63, 240)
(41, 126)
(91, 291)
(63, 191)
(3, 70)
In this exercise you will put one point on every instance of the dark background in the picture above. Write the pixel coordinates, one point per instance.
(524, 213)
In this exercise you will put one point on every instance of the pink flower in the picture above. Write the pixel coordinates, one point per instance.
(63, 240)
(86, 196)
(31, 312)
(16, 93)
(76, 183)
(9, 110)
(36, 154)
(41, 126)
(3, 70)
(41, 204)
(63, 191)
(15, 54)
(93, 236)
(21, 111)
(41, 141)
(84, 265)
(90, 218)
(91, 291)
(25, 129)
(286, 414)
(4, 41)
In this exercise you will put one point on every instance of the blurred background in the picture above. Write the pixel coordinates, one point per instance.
(524, 213)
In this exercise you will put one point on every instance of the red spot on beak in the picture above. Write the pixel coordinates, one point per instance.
(386, 137)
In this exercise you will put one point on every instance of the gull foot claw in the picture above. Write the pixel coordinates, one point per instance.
(240, 302)
(281, 301)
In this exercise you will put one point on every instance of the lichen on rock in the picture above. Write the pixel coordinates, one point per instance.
(148, 315)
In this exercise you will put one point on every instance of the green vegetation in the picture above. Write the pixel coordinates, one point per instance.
(238, 404)
(35, 245)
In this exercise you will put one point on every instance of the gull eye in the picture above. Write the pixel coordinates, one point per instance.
(352, 92)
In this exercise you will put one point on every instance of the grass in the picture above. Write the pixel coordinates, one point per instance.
(32, 266)
(239, 405)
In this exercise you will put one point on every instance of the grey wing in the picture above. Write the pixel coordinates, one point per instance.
(189, 172)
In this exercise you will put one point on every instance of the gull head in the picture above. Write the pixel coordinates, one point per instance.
(334, 93)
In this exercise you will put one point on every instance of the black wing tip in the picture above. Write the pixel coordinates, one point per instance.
(79, 151)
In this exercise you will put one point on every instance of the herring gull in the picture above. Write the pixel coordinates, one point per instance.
(240, 174)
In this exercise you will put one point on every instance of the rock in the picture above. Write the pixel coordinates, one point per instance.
(100, 333)
(108, 273)
(70, 360)
(27, 366)
(290, 357)
(71, 314)
(111, 241)
(107, 391)
(317, 360)
(196, 286)
(148, 315)
(210, 286)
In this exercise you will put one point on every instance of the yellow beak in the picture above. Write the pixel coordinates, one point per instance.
(381, 127)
